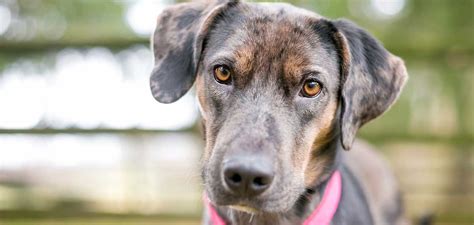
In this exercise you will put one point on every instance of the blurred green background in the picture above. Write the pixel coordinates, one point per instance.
(83, 142)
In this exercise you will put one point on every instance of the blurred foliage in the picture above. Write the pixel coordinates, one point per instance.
(434, 37)
(41, 25)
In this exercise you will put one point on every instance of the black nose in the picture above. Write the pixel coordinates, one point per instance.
(248, 176)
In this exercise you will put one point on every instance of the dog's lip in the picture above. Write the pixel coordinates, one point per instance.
(244, 208)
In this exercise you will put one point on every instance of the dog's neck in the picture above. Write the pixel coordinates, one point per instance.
(302, 208)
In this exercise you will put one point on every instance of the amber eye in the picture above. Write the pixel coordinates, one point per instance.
(311, 88)
(222, 74)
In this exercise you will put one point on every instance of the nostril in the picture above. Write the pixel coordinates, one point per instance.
(235, 178)
(259, 181)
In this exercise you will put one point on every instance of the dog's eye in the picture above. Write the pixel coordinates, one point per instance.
(311, 88)
(222, 74)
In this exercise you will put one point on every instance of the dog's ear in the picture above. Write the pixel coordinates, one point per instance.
(371, 81)
(177, 46)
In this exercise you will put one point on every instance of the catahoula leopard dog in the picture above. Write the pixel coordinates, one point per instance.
(282, 92)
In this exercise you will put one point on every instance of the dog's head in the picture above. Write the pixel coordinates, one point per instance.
(276, 85)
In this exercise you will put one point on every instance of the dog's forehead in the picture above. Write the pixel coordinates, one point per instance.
(270, 17)
(282, 8)
(266, 26)
(253, 20)
(270, 35)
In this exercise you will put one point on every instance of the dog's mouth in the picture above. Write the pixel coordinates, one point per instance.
(248, 205)
(257, 205)
(244, 208)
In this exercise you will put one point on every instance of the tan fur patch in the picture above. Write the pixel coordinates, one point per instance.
(244, 58)
(345, 55)
(204, 111)
(293, 65)
(315, 164)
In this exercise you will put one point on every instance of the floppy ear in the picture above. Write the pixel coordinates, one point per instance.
(177, 46)
(372, 78)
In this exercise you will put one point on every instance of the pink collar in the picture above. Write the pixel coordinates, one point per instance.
(322, 215)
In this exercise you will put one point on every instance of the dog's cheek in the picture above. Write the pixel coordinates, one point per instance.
(207, 171)
(302, 149)
(325, 126)
(305, 165)
(315, 169)
(202, 101)
(315, 162)
(210, 172)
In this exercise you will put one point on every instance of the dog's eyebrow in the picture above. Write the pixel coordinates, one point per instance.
(313, 71)
(316, 70)
(310, 73)
(222, 59)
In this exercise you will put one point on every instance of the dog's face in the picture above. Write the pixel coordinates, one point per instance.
(276, 85)
(278, 104)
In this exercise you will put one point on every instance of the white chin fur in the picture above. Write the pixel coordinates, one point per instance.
(244, 209)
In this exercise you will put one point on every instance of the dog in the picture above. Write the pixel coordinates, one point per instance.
(282, 92)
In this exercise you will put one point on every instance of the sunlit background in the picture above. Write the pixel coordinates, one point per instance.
(82, 141)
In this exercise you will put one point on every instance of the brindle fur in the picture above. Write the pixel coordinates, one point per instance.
(271, 48)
